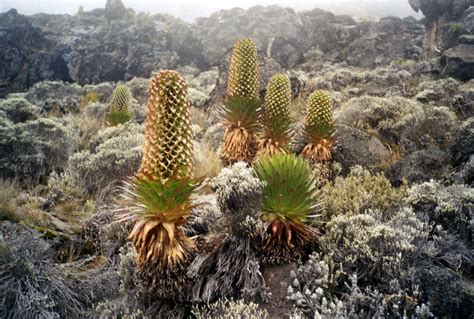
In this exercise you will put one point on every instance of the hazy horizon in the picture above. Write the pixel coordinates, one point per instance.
(189, 10)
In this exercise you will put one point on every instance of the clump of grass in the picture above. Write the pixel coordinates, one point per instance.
(90, 97)
(31, 214)
(199, 117)
(73, 212)
(87, 128)
(206, 163)
(399, 61)
(9, 189)
(298, 109)
(229, 309)
(456, 28)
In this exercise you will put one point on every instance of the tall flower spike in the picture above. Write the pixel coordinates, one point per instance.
(121, 98)
(168, 147)
(119, 112)
(276, 120)
(164, 181)
(319, 129)
(240, 109)
(243, 70)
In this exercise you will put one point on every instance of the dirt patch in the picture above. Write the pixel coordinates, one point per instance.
(277, 279)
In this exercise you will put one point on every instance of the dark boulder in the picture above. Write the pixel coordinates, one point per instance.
(420, 166)
(463, 146)
(356, 147)
(458, 62)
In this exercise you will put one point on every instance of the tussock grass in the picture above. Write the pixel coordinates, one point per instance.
(9, 189)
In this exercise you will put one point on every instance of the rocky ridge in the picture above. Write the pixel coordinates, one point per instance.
(115, 43)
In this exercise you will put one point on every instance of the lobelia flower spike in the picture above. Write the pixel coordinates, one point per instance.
(276, 120)
(119, 111)
(243, 77)
(164, 181)
(319, 128)
(168, 145)
(240, 109)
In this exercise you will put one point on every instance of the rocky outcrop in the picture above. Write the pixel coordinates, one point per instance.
(270, 27)
(449, 34)
(390, 39)
(458, 62)
(117, 44)
(97, 50)
(287, 36)
(114, 44)
(114, 9)
(26, 56)
(437, 13)
(329, 33)
(457, 37)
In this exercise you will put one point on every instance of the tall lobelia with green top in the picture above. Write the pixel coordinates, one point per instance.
(119, 112)
(241, 106)
(164, 182)
(319, 128)
(276, 120)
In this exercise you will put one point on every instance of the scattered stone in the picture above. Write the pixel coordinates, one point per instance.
(420, 166)
(356, 147)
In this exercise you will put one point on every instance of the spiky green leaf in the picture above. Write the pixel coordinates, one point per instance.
(237, 111)
(118, 117)
(291, 191)
(169, 199)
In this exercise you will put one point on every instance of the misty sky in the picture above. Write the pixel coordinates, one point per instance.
(190, 9)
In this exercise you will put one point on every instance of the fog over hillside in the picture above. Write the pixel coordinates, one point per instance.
(189, 10)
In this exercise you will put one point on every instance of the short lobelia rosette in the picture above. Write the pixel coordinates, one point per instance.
(290, 200)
